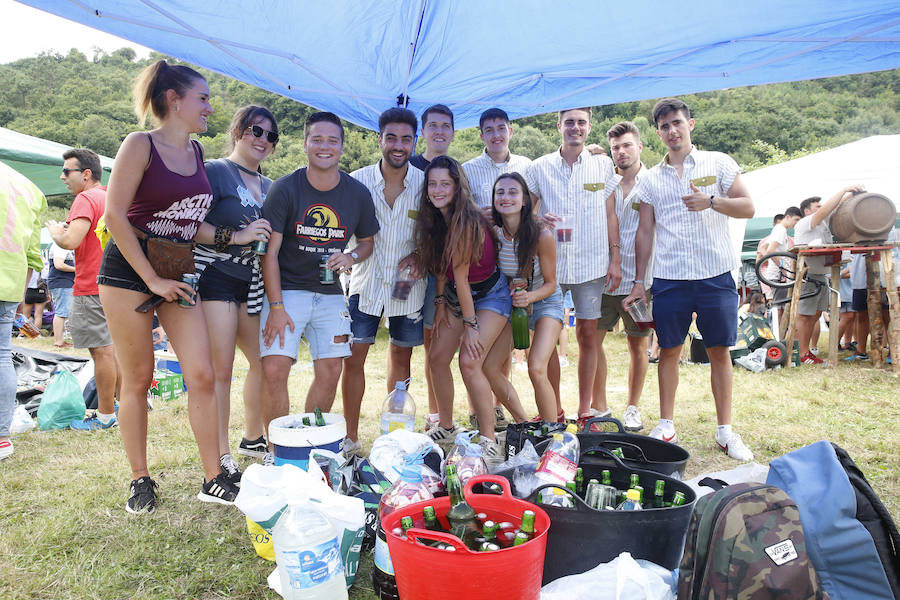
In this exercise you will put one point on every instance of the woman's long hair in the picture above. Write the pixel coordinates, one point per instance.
(461, 235)
(529, 226)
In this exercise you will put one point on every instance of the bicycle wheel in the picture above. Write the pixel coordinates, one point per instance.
(787, 269)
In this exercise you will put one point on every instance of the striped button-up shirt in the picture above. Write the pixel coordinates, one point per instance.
(578, 193)
(482, 172)
(628, 211)
(373, 278)
(690, 245)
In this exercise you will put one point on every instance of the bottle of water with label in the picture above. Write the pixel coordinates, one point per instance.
(399, 409)
(308, 555)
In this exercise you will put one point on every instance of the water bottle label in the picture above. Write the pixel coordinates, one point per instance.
(558, 466)
(313, 566)
(383, 557)
(392, 421)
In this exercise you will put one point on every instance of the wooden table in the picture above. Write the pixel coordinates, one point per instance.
(874, 253)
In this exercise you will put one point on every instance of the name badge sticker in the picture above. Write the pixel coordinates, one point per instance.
(702, 181)
(412, 214)
(594, 187)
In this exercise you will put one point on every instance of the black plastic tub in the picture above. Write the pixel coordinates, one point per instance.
(581, 538)
(641, 451)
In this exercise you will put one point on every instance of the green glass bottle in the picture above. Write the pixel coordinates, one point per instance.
(634, 480)
(579, 482)
(431, 520)
(678, 499)
(617, 451)
(520, 539)
(659, 493)
(605, 477)
(640, 490)
(527, 526)
(307, 422)
(520, 333)
(320, 420)
(406, 523)
(461, 516)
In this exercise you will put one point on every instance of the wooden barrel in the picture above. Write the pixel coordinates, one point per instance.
(863, 217)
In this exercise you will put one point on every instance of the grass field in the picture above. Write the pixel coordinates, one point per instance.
(64, 533)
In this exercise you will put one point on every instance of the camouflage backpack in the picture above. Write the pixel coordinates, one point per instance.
(745, 542)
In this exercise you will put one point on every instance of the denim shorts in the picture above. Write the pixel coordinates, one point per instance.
(320, 318)
(497, 299)
(551, 307)
(860, 301)
(216, 285)
(62, 301)
(714, 300)
(428, 307)
(406, 330)
(116, 271)
(586, 297)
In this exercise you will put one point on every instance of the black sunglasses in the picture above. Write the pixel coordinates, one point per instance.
(258, 131)
(67, 171)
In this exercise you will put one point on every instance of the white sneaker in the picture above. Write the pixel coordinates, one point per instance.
(632, 419)
(438, 433)
(351, 447)
(734, 447)
(430, 422)
(268, 459)
(597, 413)
(563, 361)
(6, 449)
(665, 435)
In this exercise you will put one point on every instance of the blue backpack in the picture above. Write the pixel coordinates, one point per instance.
(838, 509)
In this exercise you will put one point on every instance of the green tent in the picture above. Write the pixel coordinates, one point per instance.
(39, 160)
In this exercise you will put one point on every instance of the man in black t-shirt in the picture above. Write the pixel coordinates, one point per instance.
(314, 212)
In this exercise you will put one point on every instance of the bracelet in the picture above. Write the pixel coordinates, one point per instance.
(223, 237)
(617, 245)
(278, 304)
(712, 202)
(472, 323)
(442, 299)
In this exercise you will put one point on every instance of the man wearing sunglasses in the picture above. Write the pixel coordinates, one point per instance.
(87, 323)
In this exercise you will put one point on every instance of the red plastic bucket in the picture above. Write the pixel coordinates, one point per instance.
(427, 573)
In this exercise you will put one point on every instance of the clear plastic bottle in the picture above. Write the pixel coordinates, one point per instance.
(408, 489)
(632, 501)
(559, 462)
(308, 555)
(399, 409)
(458, 450)
(471, 463)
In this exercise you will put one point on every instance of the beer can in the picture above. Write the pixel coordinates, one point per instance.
(326, 274)
(193, 280)
(260, 247)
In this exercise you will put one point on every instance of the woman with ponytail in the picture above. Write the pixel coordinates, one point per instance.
(158, 196)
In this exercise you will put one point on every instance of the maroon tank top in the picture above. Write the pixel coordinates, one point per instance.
(168, 204)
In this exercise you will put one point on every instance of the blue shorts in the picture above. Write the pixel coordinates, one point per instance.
(496, 299)
(860, 301)
(428, 307)
(62, 301)
(715, 300)
(551, 307)
(320, 318)
(406, 330)
(217, 285)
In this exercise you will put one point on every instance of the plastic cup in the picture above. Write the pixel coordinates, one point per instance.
(640, 312)
(564, 228)
(402, 285)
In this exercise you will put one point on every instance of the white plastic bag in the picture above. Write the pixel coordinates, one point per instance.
(390, 450)
(21, 421)
(522, 467)
(622, 578)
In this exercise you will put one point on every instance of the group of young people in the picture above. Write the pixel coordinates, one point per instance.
(471, 240)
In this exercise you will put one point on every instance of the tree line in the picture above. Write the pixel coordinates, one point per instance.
(79, 101)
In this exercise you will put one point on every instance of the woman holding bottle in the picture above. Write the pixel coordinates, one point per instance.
(527, 257)
(232, 238)
(455, 243)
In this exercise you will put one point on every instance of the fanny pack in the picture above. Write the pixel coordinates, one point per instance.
(479, 289)
(170, 259)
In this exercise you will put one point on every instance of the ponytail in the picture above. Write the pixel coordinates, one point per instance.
(151, 85)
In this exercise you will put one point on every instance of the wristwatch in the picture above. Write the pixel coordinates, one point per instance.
(354, 256)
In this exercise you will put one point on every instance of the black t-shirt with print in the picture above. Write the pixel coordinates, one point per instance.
(316, 223)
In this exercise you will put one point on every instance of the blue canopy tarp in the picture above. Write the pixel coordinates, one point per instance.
(529, 56)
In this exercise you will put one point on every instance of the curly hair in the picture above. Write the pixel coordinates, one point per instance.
(460, 237)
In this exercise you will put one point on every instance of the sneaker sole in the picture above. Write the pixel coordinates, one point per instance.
(148, 509)
(213, 499)
(632, 428)
(252, 453)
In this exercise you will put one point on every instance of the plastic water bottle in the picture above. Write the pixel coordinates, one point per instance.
(399, 409)
(471, 463)
(459, 448)
(308, 555)
(632, 501)
(408, 489)
(559, 462)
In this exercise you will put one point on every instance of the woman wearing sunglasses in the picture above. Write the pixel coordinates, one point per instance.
(232, 237)
(158, 196)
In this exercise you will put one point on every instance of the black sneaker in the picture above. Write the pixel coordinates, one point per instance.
(256, 448)
(143, 496)
(230, 469)
(219, 490)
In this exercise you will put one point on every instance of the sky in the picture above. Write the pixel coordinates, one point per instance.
(28, 31)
